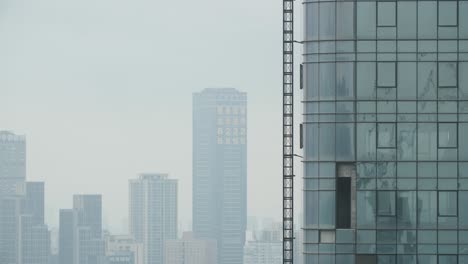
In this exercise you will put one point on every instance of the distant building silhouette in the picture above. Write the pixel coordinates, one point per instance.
(220, 170)
(12, 162)
(80, 234)
(153, 213)
(189, 250)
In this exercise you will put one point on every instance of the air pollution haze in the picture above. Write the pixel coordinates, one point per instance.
(103, 92)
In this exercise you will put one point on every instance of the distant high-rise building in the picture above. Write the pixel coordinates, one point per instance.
(220, 170)
(12, 162)
(153, 213)
(264, 248)
(24, 238)
(80, 234)
(67, 226)
(189, 250)
(123, 248)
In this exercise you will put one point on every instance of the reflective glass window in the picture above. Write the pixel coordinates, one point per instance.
(463, 210)
(386, 135)
(463, 19)
(345, 80)
(448, 135)
(448, 259)
(366, 209)
(386, 203)
(447, 13)
(327, 141)
(327, 81)
(427, 25)
(312, 21)
(386, 13)
(366, 20)
(406, 141)
(345, 141)
(345, 20)
(406, 81)
(366, 141)
(327, 20)
(427, 209)
(427, 80)
(448, 203)
(386, 74)
(407, 19)
(406, 209)
(427, 141)
(327, 209)
(448, 74)
(366, 80)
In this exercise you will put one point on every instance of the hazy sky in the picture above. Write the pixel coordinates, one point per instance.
(103, 91)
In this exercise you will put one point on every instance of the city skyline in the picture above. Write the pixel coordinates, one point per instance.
(109, 90)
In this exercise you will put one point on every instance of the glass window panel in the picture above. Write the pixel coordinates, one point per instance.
(427, 80)
(406, 170)
(327, 209)
(463, 79)
(407, 19)
(447, 170)
(386, 135)
(427, 141)
(406, 141)
(386, 74)
(386, 13)
(448, 74)
(311, 81)
(448, 259)
(311, 214)
(386, 259)
(327, 170)
(345, 80)
(463, 141)
(366, 209)
(463, 19)
(448, 203)
(311, 141)
(366, 259)
(345, 20)
(386, 169)
(311, 21)
(427, 170)
(427, 259)
(447, 237)
(327, 141)
(386, 203)
(366, 141)
(327, 236)
(366, 236)
(463, 210)
(427, 236)
(327, 81)
(427, 209)
(447, 13)
(406, 80)
(427, 19)
(406, 209)
(327, 20)
(345, 141)
(366, 80)
(366, 19)
(344, 259)
(448, 135)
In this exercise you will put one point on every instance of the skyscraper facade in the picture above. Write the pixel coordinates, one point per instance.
(220, 170)
(385, 132)
(12, 162)
(80, 232)
(153, 214)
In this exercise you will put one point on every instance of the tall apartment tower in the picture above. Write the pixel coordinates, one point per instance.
(153, 214)
(12, 162)
(220, 170)
(80, 232)
(385, 132)
(24, 237)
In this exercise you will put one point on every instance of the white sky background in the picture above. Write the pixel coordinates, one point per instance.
(103, 91)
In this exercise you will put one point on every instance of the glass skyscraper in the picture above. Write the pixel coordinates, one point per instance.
(220, 170)
(386, 132)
